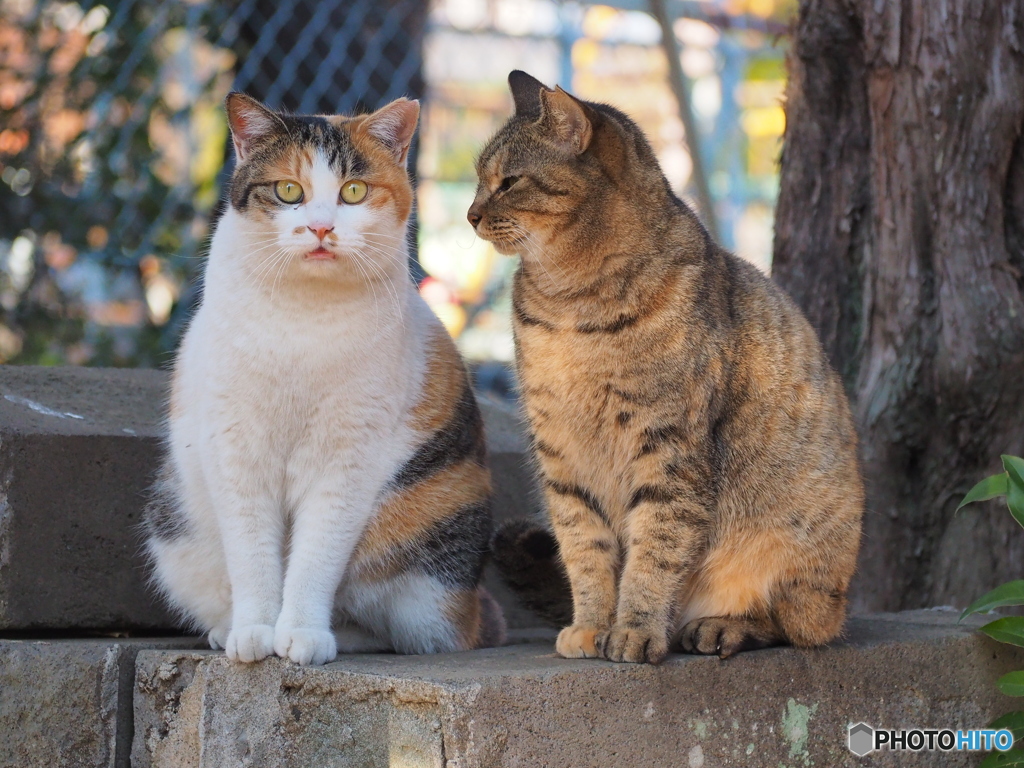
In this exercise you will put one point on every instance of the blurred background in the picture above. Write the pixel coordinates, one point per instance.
(114, 145)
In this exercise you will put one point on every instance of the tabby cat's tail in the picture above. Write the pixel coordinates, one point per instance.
(526, 554)
(493, 630)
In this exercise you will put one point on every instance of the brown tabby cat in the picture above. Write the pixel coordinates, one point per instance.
(697, 451)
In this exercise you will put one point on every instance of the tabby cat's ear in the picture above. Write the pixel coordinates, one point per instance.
(525, 93)
(394, 125)
(567, 119)
(250, 122)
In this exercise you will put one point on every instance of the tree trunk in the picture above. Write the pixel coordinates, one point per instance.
(900, 231)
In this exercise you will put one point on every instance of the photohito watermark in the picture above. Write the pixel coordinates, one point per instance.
(862, 739)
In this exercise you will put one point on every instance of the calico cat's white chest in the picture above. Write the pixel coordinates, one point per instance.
(295, 399)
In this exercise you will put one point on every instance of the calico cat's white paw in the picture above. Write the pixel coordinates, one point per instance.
(305, 646)
(218, 638)
(250, 643)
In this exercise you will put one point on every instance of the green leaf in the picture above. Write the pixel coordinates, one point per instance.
(1014, 721)
(1014, 466)
(988, 488)
(1012, 759)
(1011, 593)
(1015, 501)
(1012, 683)
(1007, 630)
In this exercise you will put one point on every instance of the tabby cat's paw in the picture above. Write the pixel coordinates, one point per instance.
(305, 646)
(250, 643)
(638, 646)
(723, 636)
(577, 642)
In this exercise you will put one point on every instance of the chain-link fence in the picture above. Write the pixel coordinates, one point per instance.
(113, 143)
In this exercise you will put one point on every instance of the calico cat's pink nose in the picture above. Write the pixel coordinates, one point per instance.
(320, 232)
(474, 216)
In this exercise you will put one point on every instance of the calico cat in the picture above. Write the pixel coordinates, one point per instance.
(325, 486)
(697, 452)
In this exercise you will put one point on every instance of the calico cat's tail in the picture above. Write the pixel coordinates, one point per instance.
(526, 554)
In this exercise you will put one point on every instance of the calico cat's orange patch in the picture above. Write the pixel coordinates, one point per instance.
(406, 515)
(390, 183)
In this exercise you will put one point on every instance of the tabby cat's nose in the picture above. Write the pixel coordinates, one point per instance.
(474, 216)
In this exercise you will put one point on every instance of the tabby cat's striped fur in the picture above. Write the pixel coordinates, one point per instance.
(696, 449)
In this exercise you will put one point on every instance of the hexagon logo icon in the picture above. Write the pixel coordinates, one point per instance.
(861, 739)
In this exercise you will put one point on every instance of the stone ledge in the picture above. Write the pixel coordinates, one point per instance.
(521, 706)
(68, 703)
(78, 450)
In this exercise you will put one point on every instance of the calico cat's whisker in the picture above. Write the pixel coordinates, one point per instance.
(397, 258)
(267, 264)
(266, 247)
(260, 245)
(284, 259)
(385, 278)
(261, 265)
(384, 273)
(389, 255)
(279, 258)
(403, 238)
(272, 262)
(376, 302)
(263, 245)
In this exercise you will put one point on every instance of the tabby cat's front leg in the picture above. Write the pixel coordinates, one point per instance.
(590, 552)
(668, 527)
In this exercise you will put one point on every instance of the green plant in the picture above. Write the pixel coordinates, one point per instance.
(1009, 629)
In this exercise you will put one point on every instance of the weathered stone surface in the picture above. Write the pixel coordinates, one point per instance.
(521, 706)
(68, 703)
(78, 450)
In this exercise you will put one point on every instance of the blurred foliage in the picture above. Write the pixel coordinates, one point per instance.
(1009, 629)
(111, 139)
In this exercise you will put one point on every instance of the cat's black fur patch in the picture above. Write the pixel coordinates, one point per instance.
(457, 440)
(452, 550)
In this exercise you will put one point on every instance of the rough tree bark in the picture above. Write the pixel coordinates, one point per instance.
(900, 231)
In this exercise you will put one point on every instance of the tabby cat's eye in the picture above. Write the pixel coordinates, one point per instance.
(288, 191)
(354, 191)
(507, 182)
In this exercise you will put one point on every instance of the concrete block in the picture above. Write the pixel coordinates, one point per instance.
(522, 707)
(68, 703)
(78, 450)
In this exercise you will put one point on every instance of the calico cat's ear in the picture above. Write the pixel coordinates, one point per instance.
(526, 91)
(567, 119)
(394, 125)
(250, 122)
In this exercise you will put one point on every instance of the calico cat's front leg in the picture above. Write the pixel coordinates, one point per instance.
(252, 535)
(241, 484)
(590, 552)
(325, 530)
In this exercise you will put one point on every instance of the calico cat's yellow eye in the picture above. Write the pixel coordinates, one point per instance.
(288, 191)
(353, 192)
